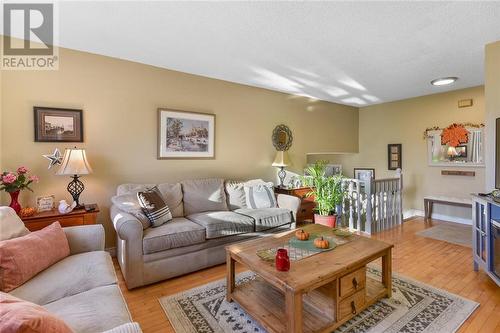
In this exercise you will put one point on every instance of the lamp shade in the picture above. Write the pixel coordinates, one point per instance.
(281, 159)
(74, 163)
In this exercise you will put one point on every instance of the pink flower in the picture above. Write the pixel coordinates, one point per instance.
(22, 170)
(9, 178)
(33, 178)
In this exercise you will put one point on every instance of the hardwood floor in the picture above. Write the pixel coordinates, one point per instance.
(440, 264)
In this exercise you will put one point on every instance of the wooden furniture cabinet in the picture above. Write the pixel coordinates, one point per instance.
(307, 205)
(76, 217)
(486, 236)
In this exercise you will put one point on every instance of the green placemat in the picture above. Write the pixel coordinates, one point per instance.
(309, 244)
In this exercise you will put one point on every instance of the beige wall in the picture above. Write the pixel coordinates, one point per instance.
(492, 96)
(120, 100)
(404, 122)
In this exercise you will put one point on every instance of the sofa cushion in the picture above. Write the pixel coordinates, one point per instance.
(95, 310)
(23, 257)
(70, 276)
(267, 218)
(202, 195)
(172, 193)
(223, 223)
(12, 225)
(173, 197)
(19, 316)
(177, 233)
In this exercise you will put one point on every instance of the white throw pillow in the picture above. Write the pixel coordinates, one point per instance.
(260, 196)
(11, 226)
(130, 204)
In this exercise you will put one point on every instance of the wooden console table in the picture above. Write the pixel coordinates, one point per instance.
(76, 217)
(430, 201)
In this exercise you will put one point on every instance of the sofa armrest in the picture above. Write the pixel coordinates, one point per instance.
(85, 238)
(126, 328)
(289, 202)
(127, 226)
(129, 246)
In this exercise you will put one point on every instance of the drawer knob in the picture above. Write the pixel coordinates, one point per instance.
(353, 308)
(355, 283)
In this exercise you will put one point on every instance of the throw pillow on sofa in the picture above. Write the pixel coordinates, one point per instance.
(12, 225)
(24, 257)
(129, 203)
(260, 196)
(154, 206)
(17, 315)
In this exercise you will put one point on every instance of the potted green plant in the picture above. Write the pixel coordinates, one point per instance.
(327, 191)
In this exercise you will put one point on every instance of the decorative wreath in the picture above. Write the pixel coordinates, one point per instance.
(454, 135)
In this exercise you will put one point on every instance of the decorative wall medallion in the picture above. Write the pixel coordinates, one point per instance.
(282, 137)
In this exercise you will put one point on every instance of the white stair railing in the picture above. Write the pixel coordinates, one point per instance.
(373, 205)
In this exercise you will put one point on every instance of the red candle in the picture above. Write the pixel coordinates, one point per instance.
(282, 260)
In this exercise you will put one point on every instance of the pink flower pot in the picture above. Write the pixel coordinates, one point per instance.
(14, 204)
(328, 220)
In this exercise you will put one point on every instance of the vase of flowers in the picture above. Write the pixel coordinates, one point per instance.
(14, 182)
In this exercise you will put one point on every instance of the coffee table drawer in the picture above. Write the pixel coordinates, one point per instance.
(350, 306)
(352, 282)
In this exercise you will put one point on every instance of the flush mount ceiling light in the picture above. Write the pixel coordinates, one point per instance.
(444, 81)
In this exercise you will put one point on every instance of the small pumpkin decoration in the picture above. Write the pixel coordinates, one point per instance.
(302, 235)
(321, 243)
(27, 212)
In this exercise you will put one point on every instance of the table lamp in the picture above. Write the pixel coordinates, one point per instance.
(75, 164)
(281, 161)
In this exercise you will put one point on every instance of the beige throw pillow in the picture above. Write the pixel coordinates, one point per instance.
(11, 226)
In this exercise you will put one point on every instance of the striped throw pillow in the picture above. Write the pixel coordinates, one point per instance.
(154, 206)
(260, 196)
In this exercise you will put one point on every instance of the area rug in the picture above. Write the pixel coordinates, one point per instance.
(455, 233)
(414, 307)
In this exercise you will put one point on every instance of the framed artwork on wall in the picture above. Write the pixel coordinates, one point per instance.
(394, 156)
(58, 125)
(185, 135)
(364, 173)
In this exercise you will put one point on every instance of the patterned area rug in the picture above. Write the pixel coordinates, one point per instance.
(455, 233)
(414, 307)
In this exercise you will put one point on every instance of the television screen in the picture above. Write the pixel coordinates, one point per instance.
(497, 155)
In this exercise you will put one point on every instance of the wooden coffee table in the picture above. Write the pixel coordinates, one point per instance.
(319, 293)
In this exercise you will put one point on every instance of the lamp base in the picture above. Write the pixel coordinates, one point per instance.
(281, 176)
(75, 188)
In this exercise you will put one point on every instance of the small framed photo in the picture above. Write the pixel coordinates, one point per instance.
(364, 173)
(45, 203)
(394, 156)
(461, 151)
(58, 125)
(185, 135)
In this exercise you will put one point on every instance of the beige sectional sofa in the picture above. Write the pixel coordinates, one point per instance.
(81, 289)
(208, 214)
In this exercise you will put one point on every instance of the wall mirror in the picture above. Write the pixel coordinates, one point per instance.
(469, 152)
(282, 137)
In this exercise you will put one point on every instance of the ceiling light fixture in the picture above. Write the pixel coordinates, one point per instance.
(444, 81)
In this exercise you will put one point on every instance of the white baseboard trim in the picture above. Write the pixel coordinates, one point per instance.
(111, 250)
(461, 220)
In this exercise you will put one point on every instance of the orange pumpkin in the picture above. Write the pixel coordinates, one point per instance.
(27, 212)
(302, 235)
(321, 243)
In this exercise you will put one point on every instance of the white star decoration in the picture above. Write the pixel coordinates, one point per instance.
(55, 158)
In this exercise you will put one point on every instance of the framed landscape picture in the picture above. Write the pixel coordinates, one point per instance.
(58, 125)
(185, 135)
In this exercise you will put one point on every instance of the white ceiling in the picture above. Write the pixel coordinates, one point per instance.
(355, 53)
